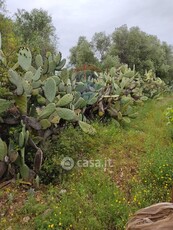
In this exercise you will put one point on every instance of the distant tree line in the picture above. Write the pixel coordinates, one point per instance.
(125, 45)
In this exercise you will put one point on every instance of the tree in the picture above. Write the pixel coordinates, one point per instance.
(36, 30)
(109, 62)
(82, 53)
(134, 46)
(10, 41)
(101, 43)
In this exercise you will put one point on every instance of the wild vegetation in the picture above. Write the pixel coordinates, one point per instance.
(108, 115)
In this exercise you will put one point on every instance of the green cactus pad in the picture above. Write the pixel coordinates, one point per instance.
(21, 102)
(65, 100)
(61, 87)
(36, 84)
(41, 100)
(27, 87)
(45, 123)
(50, 89)
(58, 58)
(45, 66)
(60, 65)
(57, 79)
(3, 149)
(37, 75)
(39, 60)
(80, 103)
(24, 58)
(28, 76)
(66, 114)
(47, 111)
(24, 171)
(87, 128)
(21, 139)
(16, 80)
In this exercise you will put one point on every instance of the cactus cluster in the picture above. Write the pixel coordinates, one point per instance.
(14, 155)
(115, 93)
(43, 96)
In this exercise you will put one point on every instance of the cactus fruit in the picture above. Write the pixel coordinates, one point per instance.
(65, 100)
(50, 89)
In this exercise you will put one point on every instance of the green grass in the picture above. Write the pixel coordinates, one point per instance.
(103, 198)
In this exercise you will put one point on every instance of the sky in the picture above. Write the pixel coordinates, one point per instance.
(74, 18)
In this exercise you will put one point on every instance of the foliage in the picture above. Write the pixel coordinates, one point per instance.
(82, 53)
(101, 42)
(129, 46)
(36, 30)
(9, 40)
(169, 115)
(134, 46)
(110, 61)
(141, 175)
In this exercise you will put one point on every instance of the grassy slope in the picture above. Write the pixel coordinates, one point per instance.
(141, 159)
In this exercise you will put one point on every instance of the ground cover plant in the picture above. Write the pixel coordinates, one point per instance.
(99, 197)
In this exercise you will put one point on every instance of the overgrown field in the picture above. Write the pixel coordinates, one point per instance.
(116, 172)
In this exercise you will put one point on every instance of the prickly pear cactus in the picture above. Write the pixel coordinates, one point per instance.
(50, 89)
(24, 58)
(3, 150)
